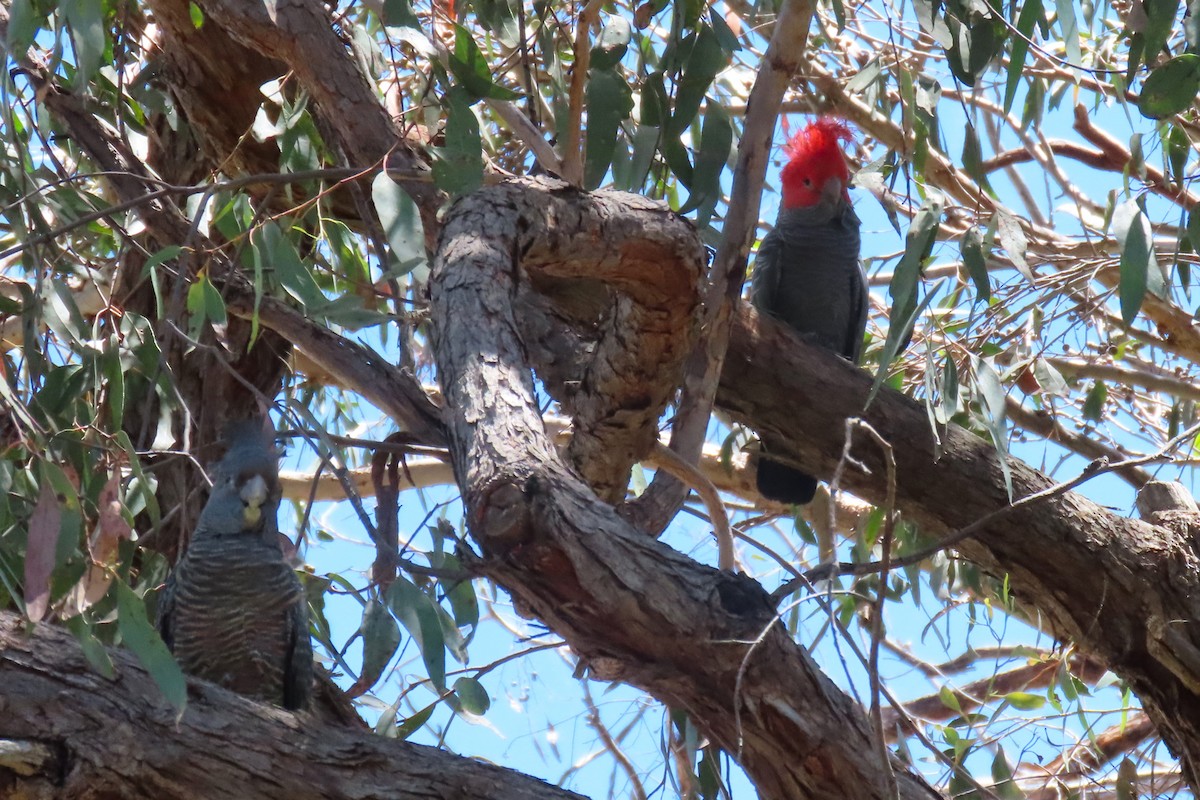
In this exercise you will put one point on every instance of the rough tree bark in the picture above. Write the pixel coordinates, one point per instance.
(631, 608)
(66, 732)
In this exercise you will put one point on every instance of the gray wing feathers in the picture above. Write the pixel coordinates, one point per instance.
(764, 281)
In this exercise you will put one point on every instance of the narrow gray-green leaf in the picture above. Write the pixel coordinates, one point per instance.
(995, 413)
(1031, 11)
(1068, 26)
(275, 250)
(1012, 238)
(145, 643)
(609, 101)
(1132, 230)
(381, 638)
(401, 221)
(975, 261)
(865, 77)
(417, 614)
(93, 650)
(23, 24)
(705, 61)
(715, 143)
(458, 167)
(88, 35)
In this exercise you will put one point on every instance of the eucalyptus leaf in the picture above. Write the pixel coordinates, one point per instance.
(400, 219)
(1171, 88)
(144, 642)
(609, 101)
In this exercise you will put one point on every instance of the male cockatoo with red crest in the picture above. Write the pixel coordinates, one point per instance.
(807, 273)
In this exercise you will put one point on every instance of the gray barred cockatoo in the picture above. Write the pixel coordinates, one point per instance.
(807, 272)
(233, 610)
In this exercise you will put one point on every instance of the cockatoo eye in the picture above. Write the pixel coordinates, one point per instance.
(808, 183)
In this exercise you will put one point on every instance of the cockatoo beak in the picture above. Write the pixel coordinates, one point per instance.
(833, 192)
(254, 495)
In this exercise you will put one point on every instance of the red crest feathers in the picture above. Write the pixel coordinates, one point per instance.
(819, 140)
(814, 156)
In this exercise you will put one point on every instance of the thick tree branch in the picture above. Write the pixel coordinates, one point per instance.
(119, 738)
(1110, 584)
(650, 260)
(708, 643)
(301, 35)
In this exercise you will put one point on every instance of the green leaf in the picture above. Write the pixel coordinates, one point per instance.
(1093, 404)
(1128, 780)
(1012, 238)
(995, 413)
(95, 652)
(196, 13)
(274, 249)
(1049, 379)
(1025, 701)
(1171, 88)
(401, 221)
(458, 168)
(1069, 28)
(23, 25)
(145, 643)
(88, 35)
(1132, 230)
(655, 108)
(1031, 12)
(949, 405)
(464, 604)
(715, 143)
(866, 77)
(706, 59)
(975, 261)
(500, 17)
(972, 159)
(725, 36)
(609, 101)
(1002, 778)
(114, 375)
(381, 638)
(417, 614)
(1160, 22)
(399, 14)
(906, 280)
(613, 43)
(1193, 227)
(949, 699)
(1176, 149)
(1191, 26)
(470, 69)
(415, 722)
(473, 697)
(645, 146)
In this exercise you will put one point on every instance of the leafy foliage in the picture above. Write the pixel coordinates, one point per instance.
(1042, 264)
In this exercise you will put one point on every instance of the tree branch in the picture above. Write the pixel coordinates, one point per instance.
(1107, 583)
(119, 738)
(709, 643)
